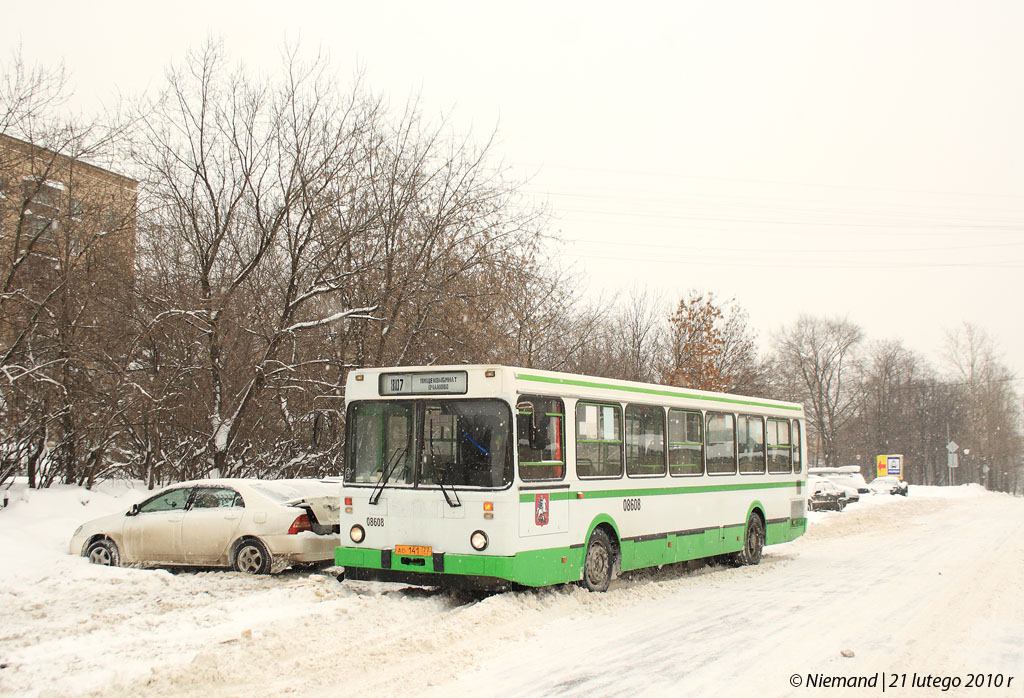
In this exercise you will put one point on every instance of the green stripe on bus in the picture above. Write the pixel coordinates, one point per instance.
(655, 491)
(652, 391)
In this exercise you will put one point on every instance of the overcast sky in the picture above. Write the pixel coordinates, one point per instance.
(862, 159)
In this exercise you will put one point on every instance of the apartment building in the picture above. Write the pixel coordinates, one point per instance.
(67, 241)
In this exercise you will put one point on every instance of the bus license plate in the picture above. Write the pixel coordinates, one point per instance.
(415, 550)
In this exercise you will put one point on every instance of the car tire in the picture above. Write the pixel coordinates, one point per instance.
(753, 542)
(599, 563)
(103, 552)
(251, 557)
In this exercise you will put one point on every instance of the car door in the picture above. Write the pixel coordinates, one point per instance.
(210, 524)
(153, 532)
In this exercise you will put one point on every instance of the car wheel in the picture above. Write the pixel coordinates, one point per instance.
(753, 543)
(104, 552)
(599, 562)
(252, 557)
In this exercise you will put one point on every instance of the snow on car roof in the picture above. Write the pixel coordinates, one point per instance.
(287, 490)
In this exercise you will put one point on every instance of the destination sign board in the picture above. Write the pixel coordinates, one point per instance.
(434, 383)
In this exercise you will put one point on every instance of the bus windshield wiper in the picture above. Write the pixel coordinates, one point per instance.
(385, 474)
(440, 480)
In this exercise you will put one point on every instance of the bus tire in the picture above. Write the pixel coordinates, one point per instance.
(599, 564)
(753, 542)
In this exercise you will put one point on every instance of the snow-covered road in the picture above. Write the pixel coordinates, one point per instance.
(929, 585)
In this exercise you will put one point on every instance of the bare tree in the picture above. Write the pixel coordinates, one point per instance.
(640, 332)
(286, 234)
(66, 240)
(818, 355)
(254, 192)
(293, 234)
(991, 426)
(904, 409)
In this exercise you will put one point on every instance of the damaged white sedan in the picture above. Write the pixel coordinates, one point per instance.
(252, 526)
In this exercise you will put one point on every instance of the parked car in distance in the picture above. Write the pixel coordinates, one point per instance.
(849, 476)
(889, 484)
(252, 526)
(823, 495)
(849, 492)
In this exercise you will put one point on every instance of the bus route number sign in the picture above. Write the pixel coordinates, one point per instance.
(434, 383)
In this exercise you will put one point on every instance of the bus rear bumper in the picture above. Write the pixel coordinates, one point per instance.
(428, 579)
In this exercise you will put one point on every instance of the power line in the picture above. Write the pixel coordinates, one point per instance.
(797, 264)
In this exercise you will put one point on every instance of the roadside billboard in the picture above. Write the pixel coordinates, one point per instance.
(889, 465)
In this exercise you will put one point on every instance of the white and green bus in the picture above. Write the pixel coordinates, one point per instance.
(490, 475)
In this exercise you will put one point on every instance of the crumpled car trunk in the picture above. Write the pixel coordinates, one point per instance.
(324, 513)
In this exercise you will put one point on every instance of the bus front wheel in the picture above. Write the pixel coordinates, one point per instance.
(599, 564)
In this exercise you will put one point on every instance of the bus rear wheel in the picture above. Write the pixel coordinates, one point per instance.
(753, 542)
(599, 564)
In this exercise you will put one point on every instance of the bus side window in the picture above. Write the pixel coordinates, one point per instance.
(720, 437)
(598, 440)
(780, 447)
(797, 462)
(540, 433)
(685, 442)
(645, 440)
(750, 439)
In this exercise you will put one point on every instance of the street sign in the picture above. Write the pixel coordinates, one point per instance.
(952, 446)
(952, 460)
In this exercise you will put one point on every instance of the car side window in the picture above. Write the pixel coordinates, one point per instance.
(166, 501)
(216, 498)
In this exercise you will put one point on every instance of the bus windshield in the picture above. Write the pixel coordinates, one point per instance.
(457, 443)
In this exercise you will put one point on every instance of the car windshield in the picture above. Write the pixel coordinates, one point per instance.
(458, 443)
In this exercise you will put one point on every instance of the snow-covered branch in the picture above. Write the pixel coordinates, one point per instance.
(354, 313)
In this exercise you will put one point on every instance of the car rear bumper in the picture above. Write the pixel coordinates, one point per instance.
(304, 547)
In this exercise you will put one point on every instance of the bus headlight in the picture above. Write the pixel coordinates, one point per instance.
(478, 540)
(356, 533)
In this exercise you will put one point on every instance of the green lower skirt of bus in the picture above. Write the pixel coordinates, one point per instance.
(559, 565)
(785, 531)
(530, 568)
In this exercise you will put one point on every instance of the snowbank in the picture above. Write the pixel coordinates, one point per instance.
(877, 579)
